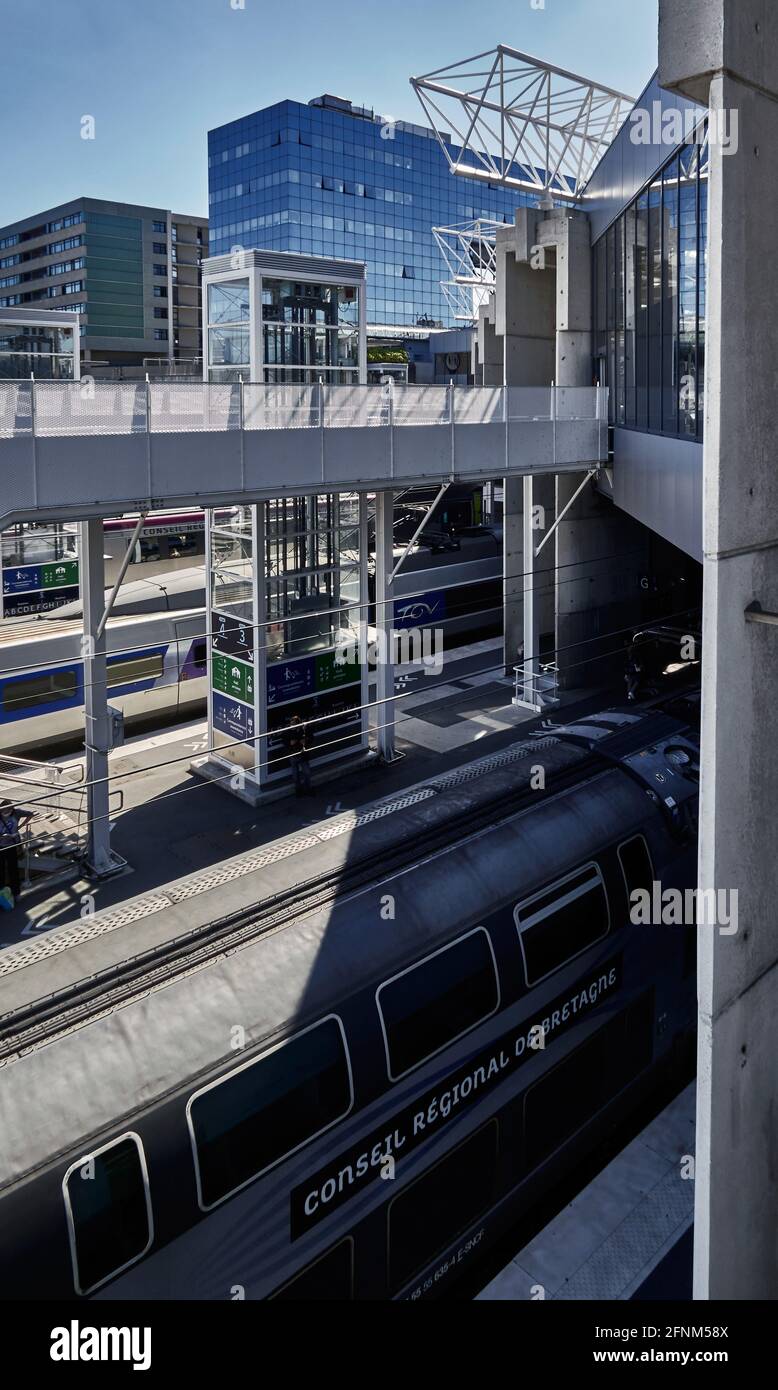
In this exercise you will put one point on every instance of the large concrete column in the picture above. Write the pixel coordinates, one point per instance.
(384, 622)
(100, 860)
(726, 52)
(524, 320)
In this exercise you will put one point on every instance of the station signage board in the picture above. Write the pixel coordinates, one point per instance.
(233, 677)
(22, 579)
(232, 636)
(331, 673)
(291, 680)
(59, 574)
(232, 717)
(38, 588)
(40, 601)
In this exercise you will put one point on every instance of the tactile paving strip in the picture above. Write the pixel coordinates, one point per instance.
(620, 1260)
(206, 880)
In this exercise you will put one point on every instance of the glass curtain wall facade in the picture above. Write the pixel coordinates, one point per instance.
(336, 182)
(649, 301)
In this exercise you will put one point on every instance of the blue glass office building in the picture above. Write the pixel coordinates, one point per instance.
(333, 179)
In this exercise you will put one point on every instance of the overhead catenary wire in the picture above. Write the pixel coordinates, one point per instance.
(180, 615)
(230, 743)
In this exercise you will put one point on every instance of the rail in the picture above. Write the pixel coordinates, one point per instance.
(72, 450)
(536, 688)
(52, 409)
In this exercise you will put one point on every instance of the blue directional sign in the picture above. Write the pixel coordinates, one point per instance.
(232, 717)
(291, 680)
(23, 579)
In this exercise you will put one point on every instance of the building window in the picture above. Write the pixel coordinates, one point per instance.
(160, 269)
(269, 1108)
(108, 1211)
(160, 313)
(159, 248)
(160, 227)
(160, 291)
(161, 335)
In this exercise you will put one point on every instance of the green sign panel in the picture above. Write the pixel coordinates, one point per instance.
(331, 673)
(59, 575)
(234, 678)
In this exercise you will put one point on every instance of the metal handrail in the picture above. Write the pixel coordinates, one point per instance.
(54, 409)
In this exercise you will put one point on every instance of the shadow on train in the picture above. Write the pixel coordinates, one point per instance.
(433, 1015)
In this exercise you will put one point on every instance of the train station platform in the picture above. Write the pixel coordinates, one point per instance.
(171, 824)
(627, 1235)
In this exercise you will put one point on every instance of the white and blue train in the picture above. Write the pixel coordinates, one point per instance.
(156, 668)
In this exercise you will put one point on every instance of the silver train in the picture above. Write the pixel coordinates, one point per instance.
(156, 667)
(347, 1085)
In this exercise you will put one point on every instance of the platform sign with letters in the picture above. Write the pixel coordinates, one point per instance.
(29, 589)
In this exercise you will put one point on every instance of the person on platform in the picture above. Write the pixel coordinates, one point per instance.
(298, 742)
(11, 821)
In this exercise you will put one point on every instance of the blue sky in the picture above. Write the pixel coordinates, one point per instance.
(157, 74)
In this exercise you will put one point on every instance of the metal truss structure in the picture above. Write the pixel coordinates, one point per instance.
(521, 122)
(468, 250)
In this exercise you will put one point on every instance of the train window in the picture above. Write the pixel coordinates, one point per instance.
(444, 1201)
(329, 1279)
(250, 1119)
(636, 865)
(564, 1099)
(136, 668)
(108, 1211)
(560, 923)
(34, 692)
(433, 1003)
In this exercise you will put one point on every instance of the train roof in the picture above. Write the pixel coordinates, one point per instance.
(89, 1071)
(171, 590)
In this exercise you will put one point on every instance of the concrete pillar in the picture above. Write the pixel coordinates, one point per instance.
(100, 859)
(487, 349)
(384, 622)
(725, 52)
(513, 642)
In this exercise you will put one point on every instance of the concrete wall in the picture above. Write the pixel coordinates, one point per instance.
(729, 48)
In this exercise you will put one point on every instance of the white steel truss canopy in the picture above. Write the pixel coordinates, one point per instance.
(468, 249)
(521, 122)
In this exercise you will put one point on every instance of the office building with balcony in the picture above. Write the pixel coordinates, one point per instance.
(335, 179)
(132, 273)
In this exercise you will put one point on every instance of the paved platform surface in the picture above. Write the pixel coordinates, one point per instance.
(619, 1236)
(173, 823)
